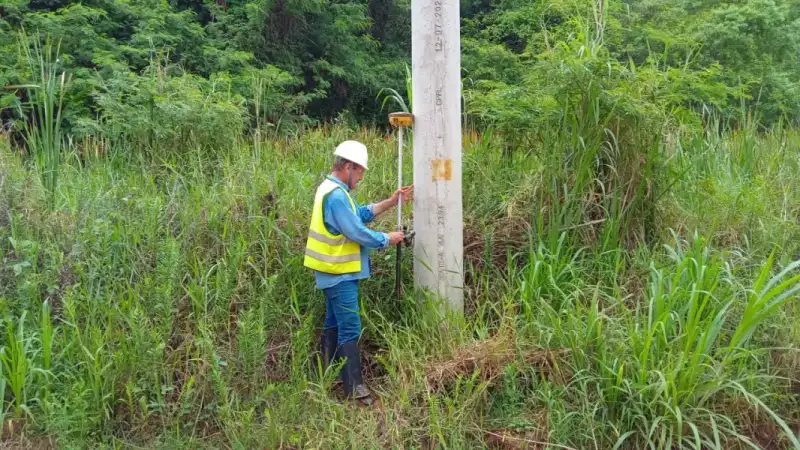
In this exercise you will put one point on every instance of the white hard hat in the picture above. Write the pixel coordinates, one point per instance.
(353, 151)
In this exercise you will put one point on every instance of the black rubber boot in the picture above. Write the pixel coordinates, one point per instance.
(351, 373)
(327, 346)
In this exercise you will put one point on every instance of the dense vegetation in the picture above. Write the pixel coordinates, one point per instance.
(160, 69)
(631, 226)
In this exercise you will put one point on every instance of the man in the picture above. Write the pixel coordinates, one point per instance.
(337, 250)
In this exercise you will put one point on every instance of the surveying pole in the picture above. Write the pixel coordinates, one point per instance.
(436, 89)
(401, 120)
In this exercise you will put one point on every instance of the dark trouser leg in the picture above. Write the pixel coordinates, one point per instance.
(329, 338)
(348, 320)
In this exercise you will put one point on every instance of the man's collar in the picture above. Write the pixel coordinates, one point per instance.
(339, 182)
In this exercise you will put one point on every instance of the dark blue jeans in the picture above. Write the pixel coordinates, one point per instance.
(341, 310)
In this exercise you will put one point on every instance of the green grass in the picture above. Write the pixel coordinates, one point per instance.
(162, 303)
(44, 137)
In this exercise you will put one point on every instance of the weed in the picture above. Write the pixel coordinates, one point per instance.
(187, 317)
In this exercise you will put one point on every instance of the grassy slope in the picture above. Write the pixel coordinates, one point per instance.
(183, 317)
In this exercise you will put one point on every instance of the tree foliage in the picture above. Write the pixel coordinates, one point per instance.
(317, 60)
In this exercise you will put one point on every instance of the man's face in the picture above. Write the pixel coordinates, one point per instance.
(355, 175)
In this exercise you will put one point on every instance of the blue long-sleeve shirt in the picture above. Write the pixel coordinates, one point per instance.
(339, 218)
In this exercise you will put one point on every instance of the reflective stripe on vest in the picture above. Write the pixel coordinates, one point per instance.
(324, 251)
(322, 238)
(333, 259)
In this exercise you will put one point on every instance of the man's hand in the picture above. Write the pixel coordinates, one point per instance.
(407, 193)
(396, 237)
(391, 202)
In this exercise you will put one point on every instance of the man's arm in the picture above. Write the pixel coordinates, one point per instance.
(385, 205)
(366, 213)
(340, 215)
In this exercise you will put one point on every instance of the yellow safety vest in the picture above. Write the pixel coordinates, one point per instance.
(326, 252)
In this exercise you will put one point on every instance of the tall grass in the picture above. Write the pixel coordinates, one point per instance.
(395, 97)
(42, 113)
(173, 309)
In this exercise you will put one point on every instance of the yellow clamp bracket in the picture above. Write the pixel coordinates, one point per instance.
(401, 119)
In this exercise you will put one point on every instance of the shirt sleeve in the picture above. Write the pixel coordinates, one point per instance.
(366, 213)
(339, 214)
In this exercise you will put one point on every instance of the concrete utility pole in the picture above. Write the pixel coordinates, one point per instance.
(438, 221)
